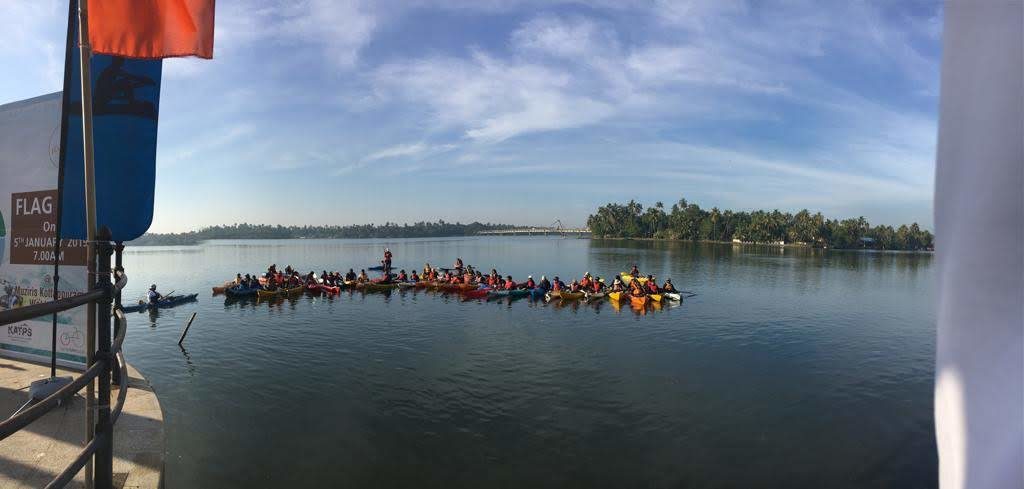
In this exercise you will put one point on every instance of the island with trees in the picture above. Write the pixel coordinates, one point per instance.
(265, 231)
(687, 221)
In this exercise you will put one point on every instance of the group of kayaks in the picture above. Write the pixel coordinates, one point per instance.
(467, 291)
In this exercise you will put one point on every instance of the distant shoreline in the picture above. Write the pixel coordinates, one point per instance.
(768, 245)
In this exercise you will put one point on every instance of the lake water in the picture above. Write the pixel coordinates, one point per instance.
(790, 368)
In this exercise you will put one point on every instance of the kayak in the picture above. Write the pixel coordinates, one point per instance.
(422, 284)
(223, 288)
(638, 300)
(629, 278)
(239, 291)
(572, 296)
(475, 294)
(673, 296)
(593, 296)
(313, 288)
(372, 287)
(162, 303)
(509, 293)
(405, 285)
(615, 296)
(537, 294)
(378, 268)
(554, 294)
(655, 297)
(330, 289)
(265, 294)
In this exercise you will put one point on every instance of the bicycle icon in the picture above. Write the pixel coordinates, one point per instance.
(74, 338)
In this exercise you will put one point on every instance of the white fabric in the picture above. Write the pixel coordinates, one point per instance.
(979, 228)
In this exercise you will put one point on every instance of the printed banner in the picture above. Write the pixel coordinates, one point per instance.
(29, 154)
(125, 106)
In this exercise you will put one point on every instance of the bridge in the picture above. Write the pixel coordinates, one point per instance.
(555, 228)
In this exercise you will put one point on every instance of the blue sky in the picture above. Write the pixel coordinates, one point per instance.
(527, 111)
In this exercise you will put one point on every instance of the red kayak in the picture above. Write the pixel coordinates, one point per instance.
(330, 290)
(475, 294)
(313, 288)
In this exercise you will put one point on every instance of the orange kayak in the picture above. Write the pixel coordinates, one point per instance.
(639, 301)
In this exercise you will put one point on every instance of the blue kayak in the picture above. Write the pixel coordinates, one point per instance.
(239, 291)
(162, 303)
(537, 294)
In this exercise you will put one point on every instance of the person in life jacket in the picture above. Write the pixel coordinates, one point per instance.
(617, 285)
(668, 287)
(387, 259)
(467, 277)
(402, 276)
(509, 283)
(153, 295)
(652, 285)
(636, 288)
(414, 277)
(574, 286)
(544, 284)
(530, 283)
(597, 285)
(635, 272)
(557, 285)
(585, 281)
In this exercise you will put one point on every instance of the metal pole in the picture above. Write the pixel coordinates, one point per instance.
(84, 59)
(118, 252)
(104, 459)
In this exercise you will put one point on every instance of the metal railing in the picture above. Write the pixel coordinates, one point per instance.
(107, 296)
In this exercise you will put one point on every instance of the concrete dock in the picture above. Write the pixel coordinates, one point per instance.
(36, 454)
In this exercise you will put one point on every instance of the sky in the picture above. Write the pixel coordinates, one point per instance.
(524, 112)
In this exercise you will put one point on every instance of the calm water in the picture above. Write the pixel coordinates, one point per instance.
(790, 368)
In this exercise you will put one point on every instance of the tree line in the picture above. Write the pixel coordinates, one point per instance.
(687, 221)
(265, 231)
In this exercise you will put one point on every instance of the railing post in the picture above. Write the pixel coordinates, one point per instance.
(118, 251)
(103, 470)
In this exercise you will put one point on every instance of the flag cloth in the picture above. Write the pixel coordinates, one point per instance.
(151, 29)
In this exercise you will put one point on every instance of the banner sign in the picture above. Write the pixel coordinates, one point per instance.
(125, 104)
(29, 157)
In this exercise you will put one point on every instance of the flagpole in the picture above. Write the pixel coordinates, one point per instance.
(85, 58)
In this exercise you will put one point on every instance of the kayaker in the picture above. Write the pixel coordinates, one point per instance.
(402, 276)
(414, 277)
(387, 259)
(544, 284)
(636, 288)
(530, 283)
(509, 283)
(585, 282)
(617, 285)
(426, 269)
(155, 296)
(652, 285)
(668, 287)
(635, 272)
(557, 285)
(458, 264)
(574, 286)
(362, 276)
(468, 277)
(597, 285)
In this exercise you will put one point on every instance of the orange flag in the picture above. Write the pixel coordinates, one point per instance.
(151, 29)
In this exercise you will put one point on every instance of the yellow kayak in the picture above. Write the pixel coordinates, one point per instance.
(615, 296)
(266, 294)
(655, 297)
(629, 278)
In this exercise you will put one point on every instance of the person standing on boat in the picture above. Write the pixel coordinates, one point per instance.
(154, 296)
(387, 260)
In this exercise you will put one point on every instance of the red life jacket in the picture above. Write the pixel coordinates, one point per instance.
(651, 286)
(530, 284)
(556, 285)
(597, 286)
(510, 285)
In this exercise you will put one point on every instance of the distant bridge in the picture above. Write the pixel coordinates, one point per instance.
(555, 229)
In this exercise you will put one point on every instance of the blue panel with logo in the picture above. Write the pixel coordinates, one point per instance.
(126, 102)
